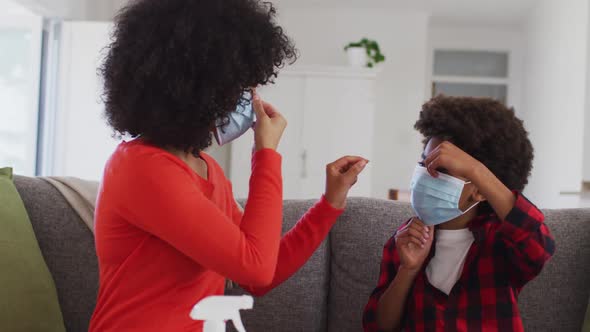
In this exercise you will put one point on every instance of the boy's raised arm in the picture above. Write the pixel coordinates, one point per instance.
(527, 241)
(458, 162)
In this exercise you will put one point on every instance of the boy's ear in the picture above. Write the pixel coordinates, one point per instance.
(477, 196)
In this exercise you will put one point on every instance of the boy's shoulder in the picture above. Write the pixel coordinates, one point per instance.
(524, 212)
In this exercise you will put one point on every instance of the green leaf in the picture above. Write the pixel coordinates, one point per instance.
(371, 48)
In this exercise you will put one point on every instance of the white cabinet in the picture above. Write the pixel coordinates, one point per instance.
(330, 113)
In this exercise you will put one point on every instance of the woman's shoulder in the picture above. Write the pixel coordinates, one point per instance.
(136, 160)
(138, 156)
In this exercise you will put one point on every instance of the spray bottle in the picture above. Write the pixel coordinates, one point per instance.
(216, 310)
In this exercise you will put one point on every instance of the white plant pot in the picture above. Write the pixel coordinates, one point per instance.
(357, 56)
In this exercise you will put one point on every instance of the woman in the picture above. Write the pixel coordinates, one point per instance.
(168, 231)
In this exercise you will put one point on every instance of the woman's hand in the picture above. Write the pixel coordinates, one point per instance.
(341, 175)
(413, 243)
(270, 125)
(451, 158)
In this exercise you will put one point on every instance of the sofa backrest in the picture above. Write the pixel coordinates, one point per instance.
(555, 301)
(68, 248)
(357, 242)
(299, 304)
(329, 293)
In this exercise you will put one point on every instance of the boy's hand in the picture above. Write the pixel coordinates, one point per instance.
(458, 163)
(448, 156)
(413, 243)
(341, 175)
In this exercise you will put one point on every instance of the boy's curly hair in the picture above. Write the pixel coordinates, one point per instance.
(176, 66)
(484, 128)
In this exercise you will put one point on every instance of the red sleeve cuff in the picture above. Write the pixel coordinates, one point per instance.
(325, 208)
(523, 218)
(523, 206)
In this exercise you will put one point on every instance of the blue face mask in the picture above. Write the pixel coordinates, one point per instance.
(436, 200)
(240, 120)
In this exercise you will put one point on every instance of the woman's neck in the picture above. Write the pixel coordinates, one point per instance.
(194, 161)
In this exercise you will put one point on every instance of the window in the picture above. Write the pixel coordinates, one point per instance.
(20, 67)
(471, 74)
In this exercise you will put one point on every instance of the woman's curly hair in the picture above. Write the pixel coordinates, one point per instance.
(174, 67)
(485, 129)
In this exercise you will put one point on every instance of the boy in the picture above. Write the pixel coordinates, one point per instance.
(476, 241)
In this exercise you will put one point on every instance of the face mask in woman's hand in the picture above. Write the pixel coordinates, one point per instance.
(240, 120)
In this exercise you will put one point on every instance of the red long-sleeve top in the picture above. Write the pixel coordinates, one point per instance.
(167, 238)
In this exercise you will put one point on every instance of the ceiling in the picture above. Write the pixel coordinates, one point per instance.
(495, 11)
(480, 11)
(11, 8)
(71, 9)
(447, 11)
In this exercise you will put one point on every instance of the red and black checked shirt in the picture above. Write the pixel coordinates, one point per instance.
(503, 258)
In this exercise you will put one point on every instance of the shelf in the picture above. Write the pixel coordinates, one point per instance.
(471, 80)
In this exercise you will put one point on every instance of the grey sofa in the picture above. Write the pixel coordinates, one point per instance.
(329, 293)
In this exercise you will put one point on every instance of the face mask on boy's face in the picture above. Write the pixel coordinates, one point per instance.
(239, 121)
(436, 200)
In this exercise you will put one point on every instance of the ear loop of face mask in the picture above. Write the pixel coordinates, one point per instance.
(472, 206)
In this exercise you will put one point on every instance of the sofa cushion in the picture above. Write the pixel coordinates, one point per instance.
(356, 245)
(300, 303)
(555, 301)
(29, 299)
(68, 247)
(586, 327)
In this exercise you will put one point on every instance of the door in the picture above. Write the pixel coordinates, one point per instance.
(338, 121)
(287, 96)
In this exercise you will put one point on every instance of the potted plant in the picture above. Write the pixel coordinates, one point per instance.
(364, 53)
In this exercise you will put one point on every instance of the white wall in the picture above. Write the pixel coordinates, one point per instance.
(83, 140)
(94, 10)
(57, 8)
(586, 164)
(554, 96)
(102, 10)
(221, 154)
(321, 34)
(445, 35)
(20, 54)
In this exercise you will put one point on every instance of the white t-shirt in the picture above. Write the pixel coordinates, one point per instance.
(444, 269)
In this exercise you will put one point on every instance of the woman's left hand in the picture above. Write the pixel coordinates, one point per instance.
(341, 175)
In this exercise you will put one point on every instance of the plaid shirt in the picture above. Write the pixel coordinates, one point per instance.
(505, 255)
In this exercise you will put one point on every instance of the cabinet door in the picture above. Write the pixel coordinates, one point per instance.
(338, 121)
(287, 96)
